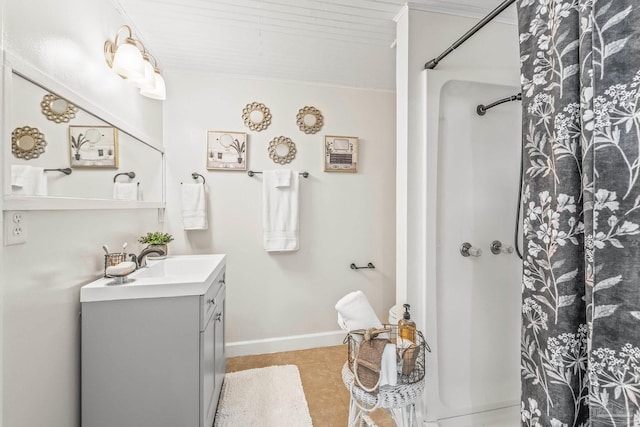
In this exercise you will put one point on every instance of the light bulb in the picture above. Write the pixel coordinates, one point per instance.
(128, 62)
(159, 91)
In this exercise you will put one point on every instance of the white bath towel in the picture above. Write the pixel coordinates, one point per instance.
(125, 190)
(280, 212)
(28, 180)
(194, 207)
(355, 312)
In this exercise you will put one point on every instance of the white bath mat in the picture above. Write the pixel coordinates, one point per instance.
(265, 397)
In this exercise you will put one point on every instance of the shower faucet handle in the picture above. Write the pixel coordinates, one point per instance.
(497, 248)
(468, 250)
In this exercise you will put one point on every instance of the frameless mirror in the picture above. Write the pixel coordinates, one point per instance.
(93, 150)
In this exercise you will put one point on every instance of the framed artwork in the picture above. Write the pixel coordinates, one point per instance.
(340, 153)
(93, 146)
(226, 150)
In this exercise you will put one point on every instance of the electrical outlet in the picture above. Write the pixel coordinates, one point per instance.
(15, 230)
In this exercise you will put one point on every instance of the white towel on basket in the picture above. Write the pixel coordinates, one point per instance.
(280, 210)
(194, 207)
(28, 180)
(355, 312)
(125, 190)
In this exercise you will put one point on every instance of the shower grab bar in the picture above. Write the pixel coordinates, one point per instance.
(252, 173)
(466, 36)
(482, 109)
(66, 171)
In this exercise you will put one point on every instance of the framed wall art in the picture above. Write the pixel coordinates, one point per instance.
(93, 146)
(226, 150)
(340, 153)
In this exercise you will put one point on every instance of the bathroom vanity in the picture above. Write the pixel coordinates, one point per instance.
(153, 348)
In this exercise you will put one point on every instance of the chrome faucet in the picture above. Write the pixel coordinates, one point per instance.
(141, 259)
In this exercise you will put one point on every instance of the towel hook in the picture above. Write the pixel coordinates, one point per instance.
(131, 175)
(196, 175)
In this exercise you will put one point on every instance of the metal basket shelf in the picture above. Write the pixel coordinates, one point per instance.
(409, 371)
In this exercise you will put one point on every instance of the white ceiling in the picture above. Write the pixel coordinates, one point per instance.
(340, 42)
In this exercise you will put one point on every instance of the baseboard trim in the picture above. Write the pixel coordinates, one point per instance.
(290, 343)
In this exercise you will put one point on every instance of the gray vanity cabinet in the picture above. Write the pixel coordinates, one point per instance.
(153, 362)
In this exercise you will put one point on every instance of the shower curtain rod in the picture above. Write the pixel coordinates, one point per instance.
(434, 62)
(481, 109)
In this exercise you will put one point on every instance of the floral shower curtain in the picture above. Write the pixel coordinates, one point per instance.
(580, 348)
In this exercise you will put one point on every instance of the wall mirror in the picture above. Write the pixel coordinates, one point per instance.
(54, 136)
(309, 120)
(256, 116)
(282, 150)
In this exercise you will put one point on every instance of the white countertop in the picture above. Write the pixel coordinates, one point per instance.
(181, 275)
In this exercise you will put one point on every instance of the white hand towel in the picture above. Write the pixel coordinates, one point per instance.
(125, 190)
(28, 180)
(282, 178)
(194, 207)
(280, 212)
(20, 175)
(355, 312)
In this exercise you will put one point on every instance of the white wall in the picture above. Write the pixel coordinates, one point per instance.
(40, 280)
(279, 299)
(422, 36)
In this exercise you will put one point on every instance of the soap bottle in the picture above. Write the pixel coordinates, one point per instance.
(406, 326)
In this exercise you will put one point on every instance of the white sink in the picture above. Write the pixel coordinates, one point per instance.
(172, 276)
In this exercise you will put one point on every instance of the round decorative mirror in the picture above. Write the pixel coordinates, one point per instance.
(57, 109)
(282, 150)
(256, 116)
(309, 120)
(27, 143)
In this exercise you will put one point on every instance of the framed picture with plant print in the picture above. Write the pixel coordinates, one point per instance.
(226, 150)
(93, 146)
(340, 153)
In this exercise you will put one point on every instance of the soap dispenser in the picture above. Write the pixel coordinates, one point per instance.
(406, 326)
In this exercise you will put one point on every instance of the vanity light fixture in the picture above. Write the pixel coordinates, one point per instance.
(158, 89)
(131, 61)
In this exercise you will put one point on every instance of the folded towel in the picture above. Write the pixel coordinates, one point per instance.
(28, 180)
(125, 191)
(20, 175)
(194, 207)
(355, 312)
(282, 178)
(280, 212)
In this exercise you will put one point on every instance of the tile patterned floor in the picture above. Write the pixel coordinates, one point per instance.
(320, 371)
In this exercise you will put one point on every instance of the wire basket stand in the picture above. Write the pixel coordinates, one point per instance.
(400, 399)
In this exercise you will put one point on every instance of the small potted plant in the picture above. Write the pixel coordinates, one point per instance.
(77, 144)
(157, 239)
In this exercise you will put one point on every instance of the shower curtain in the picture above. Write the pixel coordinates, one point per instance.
(580, 348)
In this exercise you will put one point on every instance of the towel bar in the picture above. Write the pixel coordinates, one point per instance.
(196, 175)
(304, 174)
(66, 171)
(131, 175)
(355, 267)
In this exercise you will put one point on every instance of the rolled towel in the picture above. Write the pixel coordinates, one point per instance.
(355, 312)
